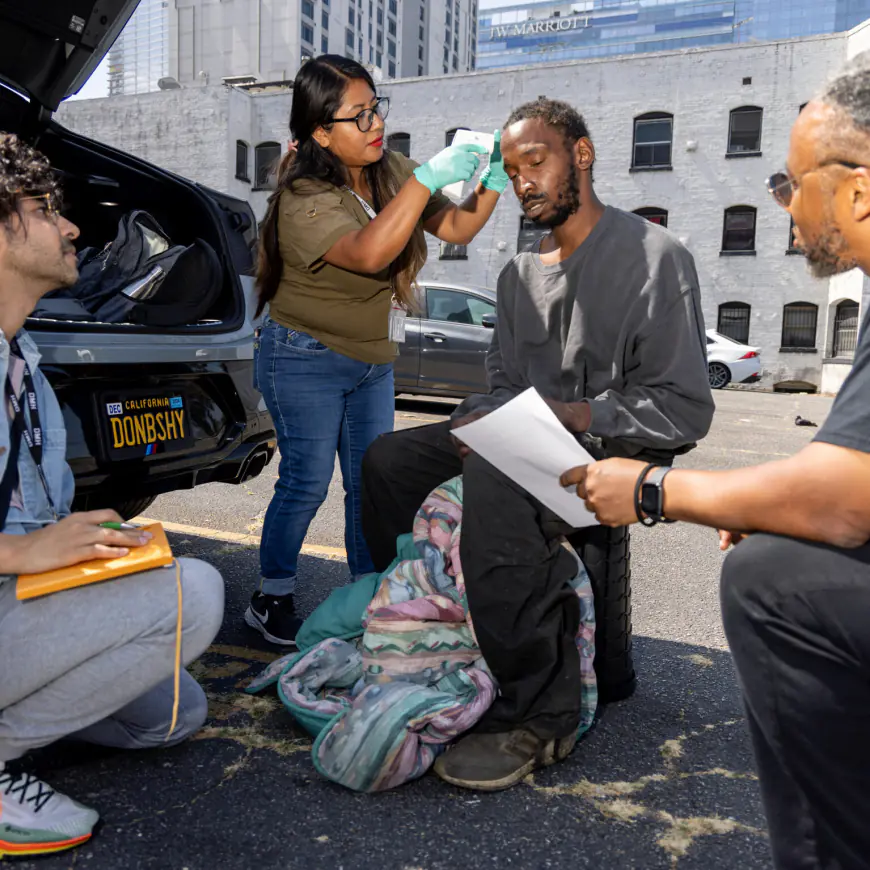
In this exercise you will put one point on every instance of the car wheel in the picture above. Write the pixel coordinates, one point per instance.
(606, 555)
(719, 375)
(127, 508)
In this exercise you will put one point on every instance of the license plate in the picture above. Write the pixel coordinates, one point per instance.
(140, 424)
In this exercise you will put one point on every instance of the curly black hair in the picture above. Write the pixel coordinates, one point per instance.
(555, 113)
(23, 172)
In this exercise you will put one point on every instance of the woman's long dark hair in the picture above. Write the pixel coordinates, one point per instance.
(318, 93)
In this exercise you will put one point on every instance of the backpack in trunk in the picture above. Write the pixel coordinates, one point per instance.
(142, 278)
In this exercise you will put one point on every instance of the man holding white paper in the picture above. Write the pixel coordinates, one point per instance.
(603, 319)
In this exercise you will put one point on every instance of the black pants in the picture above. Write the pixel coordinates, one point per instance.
(516, 572)
(797, 617)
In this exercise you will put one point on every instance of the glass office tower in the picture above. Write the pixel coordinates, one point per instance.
(511, 34)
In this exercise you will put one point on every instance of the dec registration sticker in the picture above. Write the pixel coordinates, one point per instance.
(145, 425)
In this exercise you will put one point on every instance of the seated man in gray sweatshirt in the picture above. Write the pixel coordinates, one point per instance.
(603, 318)
(95, 663)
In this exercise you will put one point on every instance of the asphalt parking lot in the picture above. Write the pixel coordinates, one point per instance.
(665, 780)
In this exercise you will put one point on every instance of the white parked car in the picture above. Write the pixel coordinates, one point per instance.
(730, 361)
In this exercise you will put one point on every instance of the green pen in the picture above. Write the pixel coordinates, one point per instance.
(120, 527)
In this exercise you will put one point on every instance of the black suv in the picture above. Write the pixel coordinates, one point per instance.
(147, 411)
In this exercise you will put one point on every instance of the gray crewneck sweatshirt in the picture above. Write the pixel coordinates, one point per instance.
(618, 323)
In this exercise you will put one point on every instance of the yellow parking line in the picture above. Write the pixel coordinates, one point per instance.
(239, 538)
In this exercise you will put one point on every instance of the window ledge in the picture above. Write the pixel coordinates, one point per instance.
(739, 155)
(242, 178)
(737, 253)
(838, 361)
(798, 350)
(794, 252)
(663, 168)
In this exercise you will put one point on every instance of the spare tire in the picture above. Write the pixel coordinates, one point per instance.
(606, 553)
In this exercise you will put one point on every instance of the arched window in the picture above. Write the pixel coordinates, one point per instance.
(654, 215)
(738, 229)
(653, 140)
(733, 321)
(242, 172)
(400, 142)
(744, 130)
(266, 157)
(799, 320)
(845, 329)
(450, 134)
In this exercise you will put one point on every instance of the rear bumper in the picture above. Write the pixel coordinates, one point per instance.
(752, 379)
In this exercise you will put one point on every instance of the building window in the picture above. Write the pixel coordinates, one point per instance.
(422, 13)
(380, 16)
(348, 38)
(307, 34)
(308, 9)
(653, 139)
(453, 252)
(242, 161)
(845, 330)
(451, 134)
(422, 35)
(799, 321)
(738, 234)
(420, 52)
(420, 70)
(351, 15)
(654, 215)
(744, 132)
(792, 242)
(733, 321)
(400, 142)
(455, 63)
(530, 234)
(391, 48)
(391, 27)
(394, 7)
(324, 20)
(266, 156)
(392, 70)
(324, 44)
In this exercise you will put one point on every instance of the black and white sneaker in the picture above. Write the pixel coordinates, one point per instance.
(274, 616)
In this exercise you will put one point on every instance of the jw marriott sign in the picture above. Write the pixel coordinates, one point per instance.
(535, 28)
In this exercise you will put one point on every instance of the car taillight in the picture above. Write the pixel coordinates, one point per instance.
(750, 355)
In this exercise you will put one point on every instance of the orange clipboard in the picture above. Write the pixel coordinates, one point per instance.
(155, 554)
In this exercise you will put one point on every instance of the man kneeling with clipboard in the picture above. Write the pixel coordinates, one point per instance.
(101, 662)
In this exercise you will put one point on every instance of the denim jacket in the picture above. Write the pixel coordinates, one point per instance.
(36, 512)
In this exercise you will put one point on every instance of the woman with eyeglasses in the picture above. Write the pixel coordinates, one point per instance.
(341, 244)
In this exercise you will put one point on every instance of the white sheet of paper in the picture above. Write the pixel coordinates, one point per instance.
(525, 440)
(465, 137)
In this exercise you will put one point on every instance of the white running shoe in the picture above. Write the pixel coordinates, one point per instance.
(36, 820)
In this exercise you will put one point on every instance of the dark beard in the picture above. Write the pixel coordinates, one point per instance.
(567, 203)
(827, 255)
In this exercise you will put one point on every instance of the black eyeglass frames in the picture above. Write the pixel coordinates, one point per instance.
(366, 118)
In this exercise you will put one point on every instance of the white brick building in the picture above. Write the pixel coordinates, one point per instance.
(209, 134)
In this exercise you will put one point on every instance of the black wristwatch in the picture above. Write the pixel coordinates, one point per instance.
(652, 497)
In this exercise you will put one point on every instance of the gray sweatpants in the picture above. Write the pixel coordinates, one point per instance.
(96, 663)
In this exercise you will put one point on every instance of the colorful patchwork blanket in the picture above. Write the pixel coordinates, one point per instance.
(386, 688)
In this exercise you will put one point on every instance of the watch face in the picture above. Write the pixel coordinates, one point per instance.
(649, 499)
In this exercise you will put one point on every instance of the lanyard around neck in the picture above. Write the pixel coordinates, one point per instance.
(368, 209)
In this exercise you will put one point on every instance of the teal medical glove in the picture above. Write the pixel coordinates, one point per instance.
(494, 177)
(456, 163)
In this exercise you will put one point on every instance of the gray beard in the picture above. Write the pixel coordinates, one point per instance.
(827, 256)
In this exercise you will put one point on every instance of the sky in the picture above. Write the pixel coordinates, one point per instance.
(97, 85)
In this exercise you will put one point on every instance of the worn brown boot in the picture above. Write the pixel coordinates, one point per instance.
(492, 762)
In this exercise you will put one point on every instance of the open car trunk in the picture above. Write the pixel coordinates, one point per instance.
(101, 185)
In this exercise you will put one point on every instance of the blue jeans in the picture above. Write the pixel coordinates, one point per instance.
(322, 403)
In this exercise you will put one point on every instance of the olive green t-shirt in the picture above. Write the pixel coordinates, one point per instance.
(347, 311)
